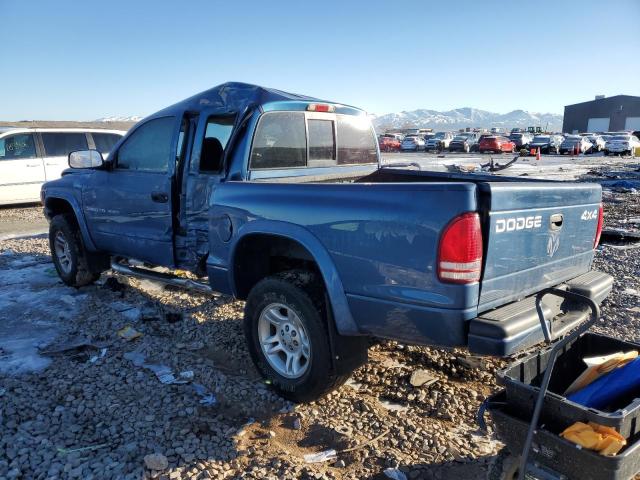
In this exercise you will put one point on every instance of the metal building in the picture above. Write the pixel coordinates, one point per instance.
(604, 114)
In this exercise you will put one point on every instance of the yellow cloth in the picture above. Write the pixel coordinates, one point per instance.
(604, 440)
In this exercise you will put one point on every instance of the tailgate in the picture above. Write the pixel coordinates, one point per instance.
(536, 235)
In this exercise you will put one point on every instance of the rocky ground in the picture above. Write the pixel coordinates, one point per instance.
(93, 406)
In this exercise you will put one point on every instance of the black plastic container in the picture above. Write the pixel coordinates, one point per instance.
(558, 457)
(521, 381)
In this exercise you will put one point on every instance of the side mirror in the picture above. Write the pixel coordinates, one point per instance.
(86, 159)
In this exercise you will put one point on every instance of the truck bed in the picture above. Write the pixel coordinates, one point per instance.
(382, 235)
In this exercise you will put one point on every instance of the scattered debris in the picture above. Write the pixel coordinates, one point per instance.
(420, 378)
(324, 456)
(91, 448)
(206, 398)
(74, 347)
(618, 236)
(368, 442)
(156, 461)
(394, 474)
(94, 359)
(345, 430)
(129, 333)
(395, 407)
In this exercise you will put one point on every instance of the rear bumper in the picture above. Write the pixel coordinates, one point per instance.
(516, 326)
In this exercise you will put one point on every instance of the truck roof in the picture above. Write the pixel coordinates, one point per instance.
(233, 97)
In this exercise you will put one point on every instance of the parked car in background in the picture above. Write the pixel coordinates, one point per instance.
(389, 143)
(547, 143)
(575, 144)
(598, 142)
(497, 144)
(440, 141)
(412, 143)
(464, 142)
(521, 139)
(622, 145)
(31, 156)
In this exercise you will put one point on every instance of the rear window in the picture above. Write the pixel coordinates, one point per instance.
(280, 141)
(356, 142)
(62, 143)
(105, 141)
(322, 145)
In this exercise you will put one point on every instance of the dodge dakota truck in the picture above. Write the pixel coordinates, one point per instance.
(281, 200)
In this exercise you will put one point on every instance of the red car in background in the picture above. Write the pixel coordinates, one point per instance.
(389, 143)
(496, 144)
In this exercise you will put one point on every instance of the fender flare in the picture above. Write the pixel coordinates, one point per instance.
(77, 211)
(344, 322)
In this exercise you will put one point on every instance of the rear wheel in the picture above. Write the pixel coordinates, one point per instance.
(287, 333)
(71, 260)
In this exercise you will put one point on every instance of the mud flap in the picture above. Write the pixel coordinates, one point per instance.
(347, 352)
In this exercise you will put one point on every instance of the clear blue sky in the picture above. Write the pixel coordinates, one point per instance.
(72, 60)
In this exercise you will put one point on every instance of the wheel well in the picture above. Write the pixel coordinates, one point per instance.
(261, 255)
(57, 206)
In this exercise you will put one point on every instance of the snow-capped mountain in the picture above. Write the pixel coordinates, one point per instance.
(133, 118)
(466, 117)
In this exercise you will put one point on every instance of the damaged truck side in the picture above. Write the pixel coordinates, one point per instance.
(280, 200)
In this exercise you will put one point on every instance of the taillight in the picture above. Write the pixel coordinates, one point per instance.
(599, 228)
(460, 250)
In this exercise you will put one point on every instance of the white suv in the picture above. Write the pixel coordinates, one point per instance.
(31, 156)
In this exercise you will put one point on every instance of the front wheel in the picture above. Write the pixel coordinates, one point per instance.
(71, 260)
(286, 329)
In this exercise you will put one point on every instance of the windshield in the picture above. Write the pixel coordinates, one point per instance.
(541, 139)
(515, 136)
(440, 135)
(459, 138)
(624, 138)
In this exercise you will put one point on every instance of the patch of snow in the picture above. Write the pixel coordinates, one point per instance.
(33, 307)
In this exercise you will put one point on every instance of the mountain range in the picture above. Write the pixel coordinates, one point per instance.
(133, 118)
(466, 117)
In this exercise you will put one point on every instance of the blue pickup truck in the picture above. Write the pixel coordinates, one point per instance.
(281, 200)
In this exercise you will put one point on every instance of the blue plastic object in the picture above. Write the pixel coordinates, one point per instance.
(604, 391)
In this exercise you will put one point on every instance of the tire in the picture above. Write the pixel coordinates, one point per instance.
(69, 256)
(291, 299)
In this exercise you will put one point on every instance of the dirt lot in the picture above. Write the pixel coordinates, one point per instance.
(79, 401)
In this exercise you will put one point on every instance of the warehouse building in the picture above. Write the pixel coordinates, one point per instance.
(604, 114)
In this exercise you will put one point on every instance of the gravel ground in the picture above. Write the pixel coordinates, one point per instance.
(26, 213)
(94, 415)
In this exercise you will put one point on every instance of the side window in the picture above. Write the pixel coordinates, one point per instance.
(216, 137)
(280, 141)
(356, 142)
(105, 141)
(17, 146)
(322, 145)
(61, 144)
(149, 147)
